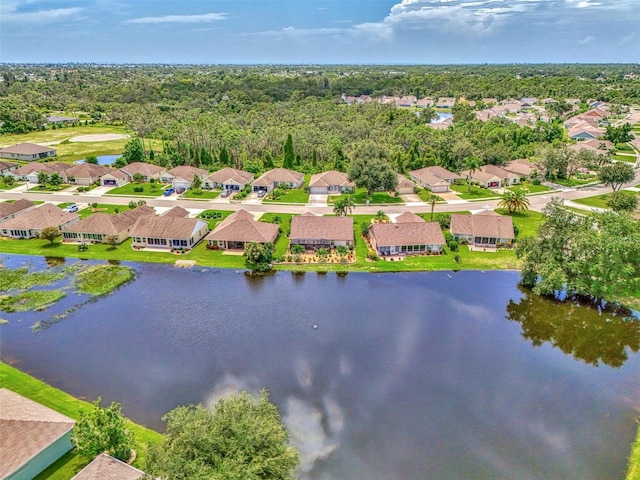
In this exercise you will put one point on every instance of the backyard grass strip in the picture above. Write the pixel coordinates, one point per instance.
(634, 460)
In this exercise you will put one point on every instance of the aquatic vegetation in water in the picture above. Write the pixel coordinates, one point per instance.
(33, 300)
(102, 279)
(22, 279)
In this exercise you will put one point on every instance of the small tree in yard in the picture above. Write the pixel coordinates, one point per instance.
(112, 240)
(50, 233)
(43, 178)
(623, 201)
(138, 177)
(55, 180)
(132, 204)
(260, 255)
(615, 175)
(196, 184)
(103, 429)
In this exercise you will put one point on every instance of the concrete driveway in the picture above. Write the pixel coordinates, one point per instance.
(317, 200)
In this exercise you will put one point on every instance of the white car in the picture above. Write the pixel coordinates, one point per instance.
(73, 208)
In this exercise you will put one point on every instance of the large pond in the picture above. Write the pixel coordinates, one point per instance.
(103, 159)
(395, 376)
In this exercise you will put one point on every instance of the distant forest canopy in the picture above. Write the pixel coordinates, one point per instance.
(213, 115)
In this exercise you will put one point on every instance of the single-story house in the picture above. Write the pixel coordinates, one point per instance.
(115, 178)
(86, 173)
(277, 177)
(27, 151)
(435, 179)
(240, 228)
(168, 232)
(600, 147)
(584, 131)
(483, 229)
(105, 467)
(313, 232)
(445, 102)
(425, 102)
(410, 234)
(31, 171)
(60, 120)
(30, 223)
(522, 167)
(176, 211)
(147, 170)
(9, 210)
(404, 186)
(492, 176)
(331, 182)
(229, 179)
(6, 167)
(32, 436)
(181, 177)
(97, 227)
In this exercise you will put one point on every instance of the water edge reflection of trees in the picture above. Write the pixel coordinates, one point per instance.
(592, 335)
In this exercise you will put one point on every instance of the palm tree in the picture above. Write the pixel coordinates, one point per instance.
(432, 200)
(349, 204)
(515, 201)
(344, 206)
(471, 164)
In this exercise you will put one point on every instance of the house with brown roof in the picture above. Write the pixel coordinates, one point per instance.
(27, 152)
(404, 185)
(9, 210)
(277, 177)
(522, 167)
(436, 179)
(31, 171)
(240, 228)
(30, 223)
(445, 102)
(492, 176)
(314, 232)
(168, 232)
(115, 178)
(229, 179)
(483, 229)
(176, 211)
(147, 170)
(425, 102)
(32, 436)
(182, 177)
(105, 467)
(598, 146)
(331, 182)
(98, 227)
(86, 173)
(409, 235)
(6, 167)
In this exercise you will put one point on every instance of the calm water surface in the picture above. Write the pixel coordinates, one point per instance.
(394, 376)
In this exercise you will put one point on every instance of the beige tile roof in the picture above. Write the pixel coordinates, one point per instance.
(51, 167)
(26, 149)
(176, 211)
(46, 215)
(230, 174)
(176, 228)
(521, 166)
(187, 172)
(280, 175)
(429, 174)
(6, 165)
(483, 224)
(117, 174)
(7, 208)
(107, 224)
(409, 217)
(105, 467)
(241, 227)
(26, 428)
(146, 169)
(404, 182)
(332, 177)
(307, 227)
(87, 170)
(411, 233)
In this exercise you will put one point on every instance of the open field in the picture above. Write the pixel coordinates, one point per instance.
(71, 463)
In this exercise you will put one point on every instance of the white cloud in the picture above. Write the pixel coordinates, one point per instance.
(587, 39)
(200, 18)
(10, 13)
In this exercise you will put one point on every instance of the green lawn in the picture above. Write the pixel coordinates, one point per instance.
(624, 158)
(48, 188)
(296, 195)
(146, 190)
(4, 186)
(574, 181)
(360, 198)
(597, 201)
(282, 244)
(531, 187)
(71, 463)
(634, 460)
(202, 195)
(424, 195)
(101, 208)
(216, 216)
(475, 193)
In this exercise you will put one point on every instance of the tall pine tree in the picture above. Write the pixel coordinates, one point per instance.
(289, 156)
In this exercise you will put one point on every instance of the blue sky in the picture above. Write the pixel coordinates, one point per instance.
(309, 31)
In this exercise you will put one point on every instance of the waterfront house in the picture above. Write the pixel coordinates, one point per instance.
(32, 436)
(27, 152)
(435, 179)
(30, 223)
(229, 179)
(168, 232)
(9, 210)
(97, 227)
(277, 177)
(331, 182)
(409, 235)
(483, 229)
(105, 467)
(240, 228)
(86, 173)
(314, 232)
(445, 102)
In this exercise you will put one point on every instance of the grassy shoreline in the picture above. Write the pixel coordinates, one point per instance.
(39, 391)
(634, 459)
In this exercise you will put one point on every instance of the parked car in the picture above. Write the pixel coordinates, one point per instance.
(73, 208)
(225, 193)
(168, 191)
(261, 193)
